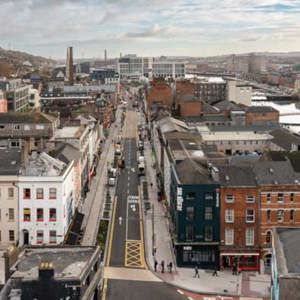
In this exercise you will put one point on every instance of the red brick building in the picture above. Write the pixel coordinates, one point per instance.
(161, 93)
(279, 200)
(239, 219)
(261, 115)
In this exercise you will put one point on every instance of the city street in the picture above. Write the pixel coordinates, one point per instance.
(126, 273)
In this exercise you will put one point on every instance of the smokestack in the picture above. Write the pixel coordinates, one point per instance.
(105, 55)
(69, 66)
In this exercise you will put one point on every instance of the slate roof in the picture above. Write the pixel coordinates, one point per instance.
(191, 172)
(10, 162)
(275, 172)
(237, 176)
(226, 105)
(66, 153)
(287, 241)
(25, 118)
(284, 138)
(261, 109)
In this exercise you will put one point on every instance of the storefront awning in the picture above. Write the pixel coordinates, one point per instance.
(239, 254)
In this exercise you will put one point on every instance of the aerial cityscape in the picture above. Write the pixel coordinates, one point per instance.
(150, 150)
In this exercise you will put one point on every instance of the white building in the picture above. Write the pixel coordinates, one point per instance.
(46, 204)
(239, 92)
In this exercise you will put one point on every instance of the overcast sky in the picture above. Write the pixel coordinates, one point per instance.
(149, 27)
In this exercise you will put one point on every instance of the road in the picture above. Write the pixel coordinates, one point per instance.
(126, 275)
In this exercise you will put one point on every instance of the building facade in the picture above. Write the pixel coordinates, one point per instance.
(195, 215)
(239, 219)
(46, 200)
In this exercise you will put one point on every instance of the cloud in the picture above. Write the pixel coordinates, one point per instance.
(45, 26)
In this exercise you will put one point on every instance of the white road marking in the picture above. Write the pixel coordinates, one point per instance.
(190, 298)
(120, 220)
(180, 292)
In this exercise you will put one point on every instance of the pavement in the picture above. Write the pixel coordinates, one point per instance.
(93, 204)
(246, 284)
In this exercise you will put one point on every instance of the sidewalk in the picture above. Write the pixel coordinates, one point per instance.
(245, 284)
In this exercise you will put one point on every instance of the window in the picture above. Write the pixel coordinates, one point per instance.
(0, 236)
(229, 236)
(269, 197)
(17, 127)
(11, 234)
(52, 193)
(280, 197)
(268, 215)
(26, 193)
(250, 199)
(229, 198)
(208, 213)
(208, 233)
(249, 237)
(39, 127)
(209, 196)
(52, 237)
(27, 127)
(39, 237)
(280, 215)
(268, 237)
(15, 144)
(189, 232)
(250, 216)
(190, 213)
(10, 192)
(40, 193)
(11, 214)
(292, 215)
(39, 214)
(229, 215)
(52, 214)
(292, 197)
(26, 214)
(190, 196)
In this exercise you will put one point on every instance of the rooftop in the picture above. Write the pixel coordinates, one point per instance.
(234, 136)
(261, 109)
(226, 105)
(285, 139)
(237, 176)
(68, 262)
(286, 244)
(26, 117)
(69, 132)
(191, 172)
(10, 162)
(42, 164)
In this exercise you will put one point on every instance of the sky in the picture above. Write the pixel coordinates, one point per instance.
(149, 27)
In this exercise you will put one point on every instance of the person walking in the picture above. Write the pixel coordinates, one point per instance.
(196, 272)
(170, 267)
(215, 273)
(155, 265)
(162, 266)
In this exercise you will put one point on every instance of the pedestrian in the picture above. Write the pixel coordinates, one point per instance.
(170, 267)
(196, 272)
(151, 184)
(155, 265)
(162, 266)
(215, 273)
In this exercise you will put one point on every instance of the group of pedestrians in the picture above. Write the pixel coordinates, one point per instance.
(162, 266)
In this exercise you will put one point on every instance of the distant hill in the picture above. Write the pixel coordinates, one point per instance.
(17, 63)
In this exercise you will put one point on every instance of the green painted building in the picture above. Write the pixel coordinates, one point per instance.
(195, 213)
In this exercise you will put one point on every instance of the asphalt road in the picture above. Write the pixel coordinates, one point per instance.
(128, 228)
